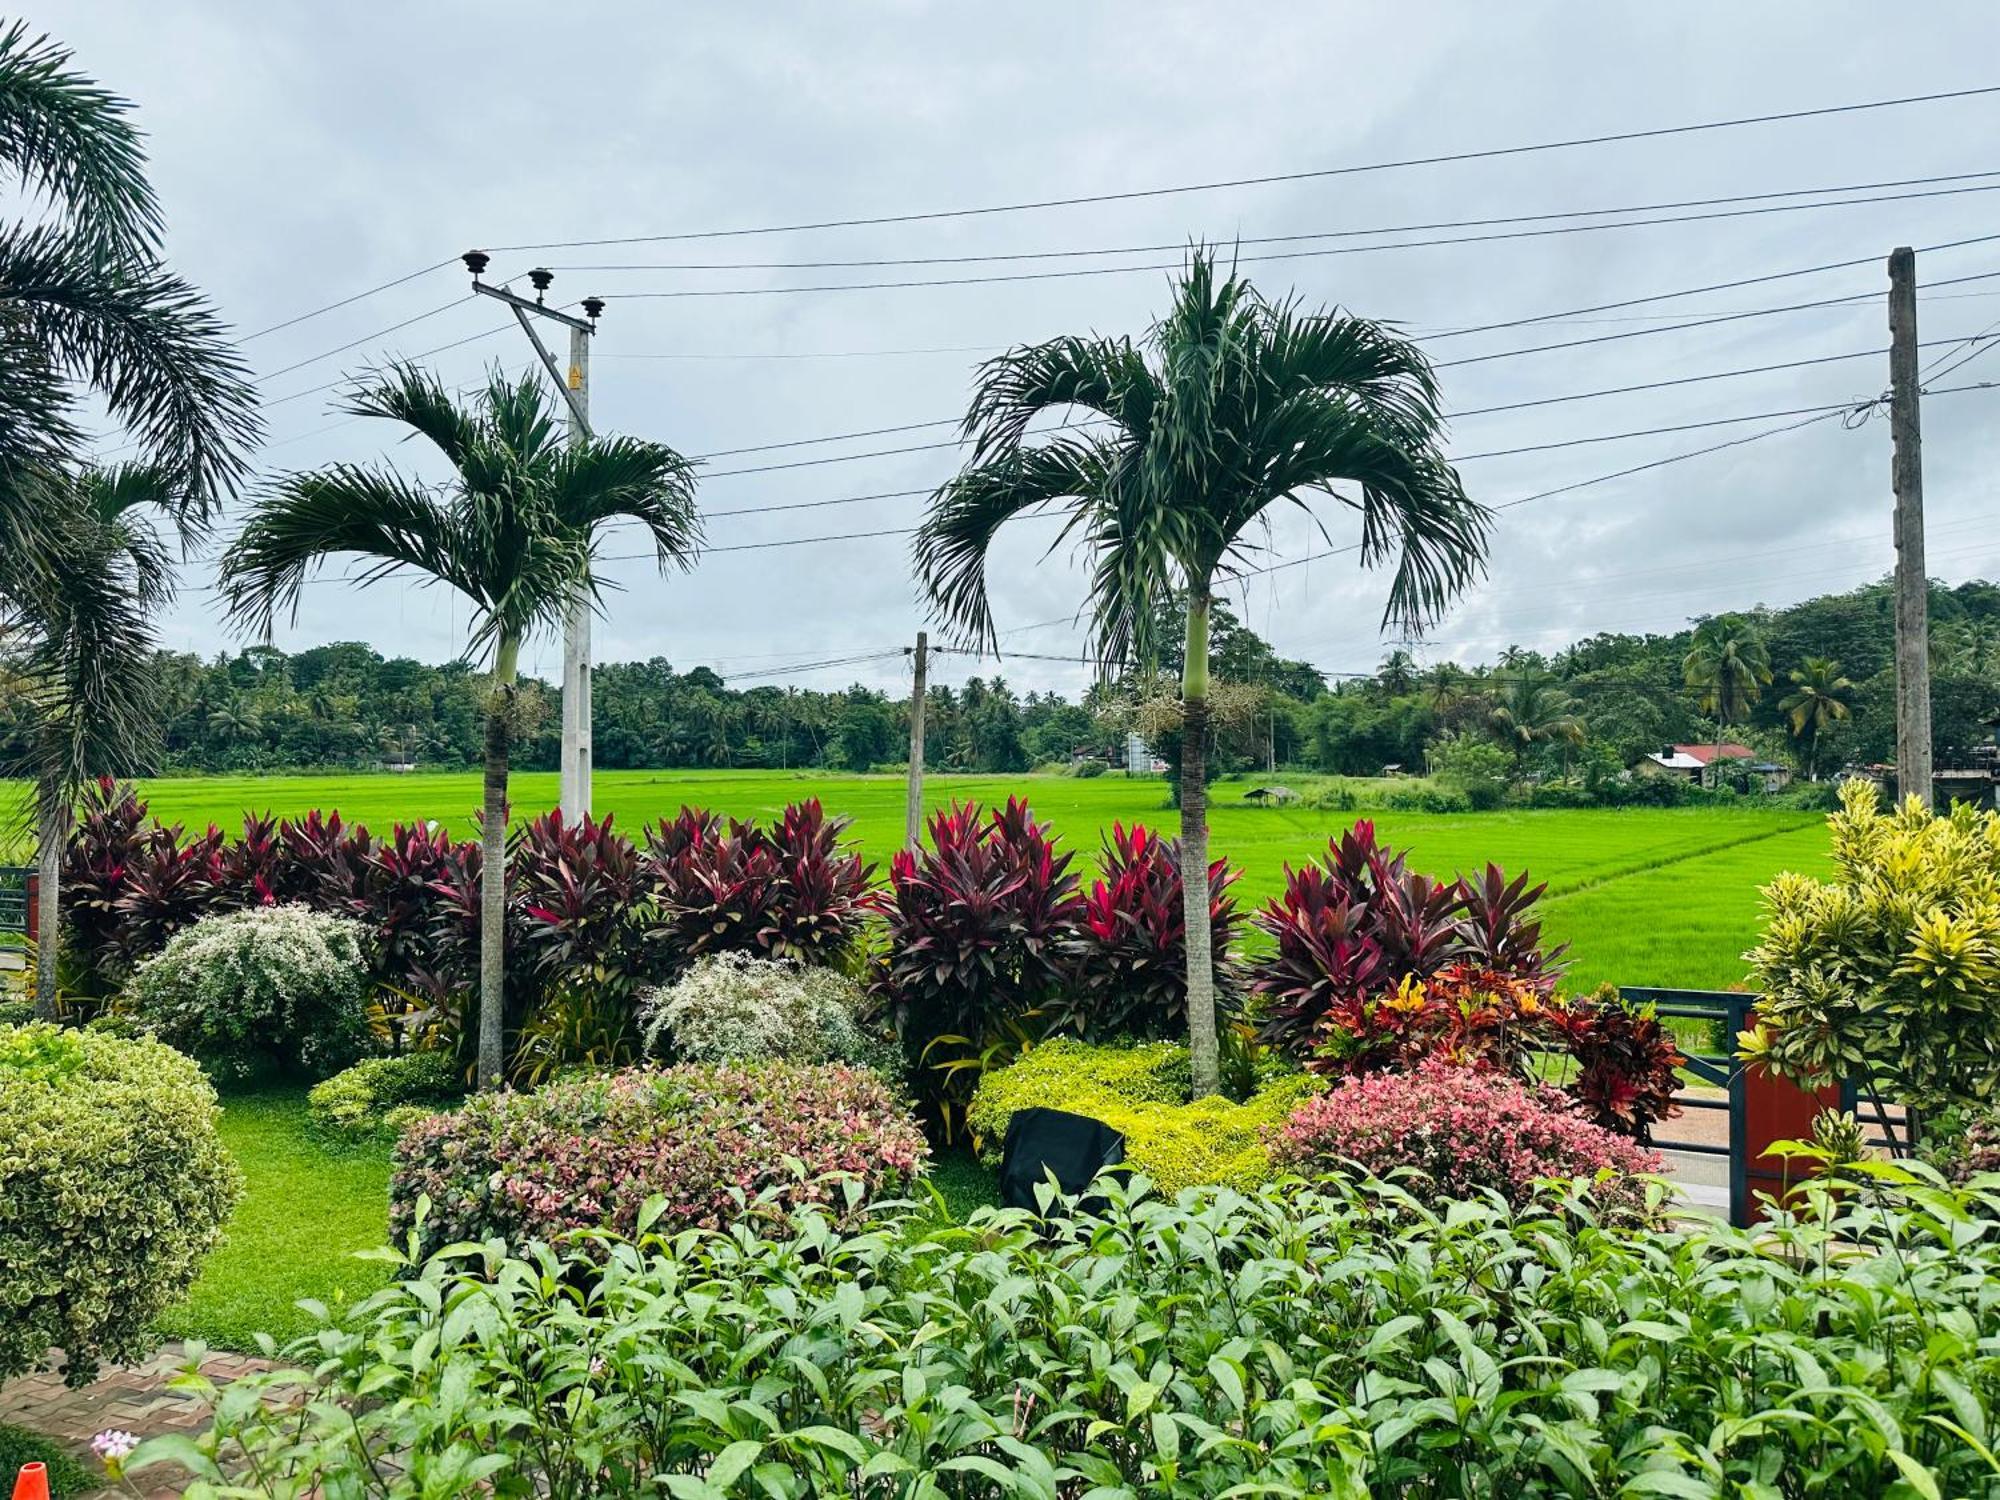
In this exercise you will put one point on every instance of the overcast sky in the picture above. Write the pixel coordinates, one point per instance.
(307, 151)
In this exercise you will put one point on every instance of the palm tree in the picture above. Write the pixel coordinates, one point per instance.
(83, 632)
(1532, 709)
(84, 302)
(1820, 697)
(1728, 667)
(1229, 405)
(513, 532)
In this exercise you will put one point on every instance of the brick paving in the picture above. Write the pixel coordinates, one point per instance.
(134, 1398)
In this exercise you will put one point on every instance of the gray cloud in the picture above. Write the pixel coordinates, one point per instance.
(306, 151)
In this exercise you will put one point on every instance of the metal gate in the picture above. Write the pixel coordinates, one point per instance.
(1726, 1013)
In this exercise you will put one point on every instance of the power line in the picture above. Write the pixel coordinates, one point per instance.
(1487, 154)
(350, 300)
(686, 293)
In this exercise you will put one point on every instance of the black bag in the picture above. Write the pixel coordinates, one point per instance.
(1040, 1141)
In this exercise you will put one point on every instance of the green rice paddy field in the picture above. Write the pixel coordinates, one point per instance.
(1644, 896)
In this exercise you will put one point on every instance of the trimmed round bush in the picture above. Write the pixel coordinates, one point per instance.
(714, 1142)
(737, 1007)
(1467, 1131)
(376, 1098)
(1142, 1092)
(270, 990)
(113, 1187)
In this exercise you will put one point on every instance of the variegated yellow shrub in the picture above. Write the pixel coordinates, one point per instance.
(1890, 973)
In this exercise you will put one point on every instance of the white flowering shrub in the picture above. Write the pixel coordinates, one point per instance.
(271, 990)
(736, 1007)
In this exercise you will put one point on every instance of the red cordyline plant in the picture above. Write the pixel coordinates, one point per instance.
(1625, 1074)
(579, 887)
(795, 891)
(982, 924)
(1360, 921)
(1129, 968)
(253, 869)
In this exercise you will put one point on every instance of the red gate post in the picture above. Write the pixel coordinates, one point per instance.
(1774, 1109)
(34, 906)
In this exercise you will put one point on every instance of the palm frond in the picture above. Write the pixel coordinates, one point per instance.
(967, 512)
(306, 519)
(72, 142)
(150, 345)
(408, 393)
(1107, 376)
(622, 478)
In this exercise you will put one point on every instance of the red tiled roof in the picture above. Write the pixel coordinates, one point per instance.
(1706, 754)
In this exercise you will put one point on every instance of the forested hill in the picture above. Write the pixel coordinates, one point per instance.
(1606, 699)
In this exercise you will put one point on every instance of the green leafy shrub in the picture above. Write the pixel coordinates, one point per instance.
(1342, 1343)
(714, 1143)
(113, 1187)
(736, 1007)
(273, 989)
(1143, 1093)
(1887, 974)
(377, 1097)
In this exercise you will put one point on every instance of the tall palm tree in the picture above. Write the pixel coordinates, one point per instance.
(1820, 698)
(86, 306)
(512, 531)
(1532, 709)
(83, 633)
(1229, 405)
(1728, 667)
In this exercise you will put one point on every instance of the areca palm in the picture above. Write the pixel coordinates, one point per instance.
(1819, 699)
(82, 634)
(86, 306)
(512, 531)
(1728, 667)
(1230, 404)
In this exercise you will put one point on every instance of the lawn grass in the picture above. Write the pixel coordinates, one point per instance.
(1650, 896)
(67, 1475)
(306, 1209)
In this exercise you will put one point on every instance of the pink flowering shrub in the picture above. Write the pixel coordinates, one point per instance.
(1467, 1130)
(586, 1153)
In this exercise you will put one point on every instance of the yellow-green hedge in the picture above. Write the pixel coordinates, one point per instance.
(1142, 1092)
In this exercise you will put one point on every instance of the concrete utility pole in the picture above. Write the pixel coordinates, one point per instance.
(913, 812)
(577, 743)
(1913, 668)
(574, 797)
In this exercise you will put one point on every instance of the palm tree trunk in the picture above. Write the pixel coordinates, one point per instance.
(1194, 848)
(51, 834)
(493, 871)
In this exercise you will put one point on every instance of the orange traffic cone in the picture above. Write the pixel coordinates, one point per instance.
(32, 1483)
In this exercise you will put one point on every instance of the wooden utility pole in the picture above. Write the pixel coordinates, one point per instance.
(1913, 669)
(913, 813)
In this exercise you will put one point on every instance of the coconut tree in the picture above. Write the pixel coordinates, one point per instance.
(1532, 709)
(1229, 406)
(1728, 667)
(512, 530)
(81, 631)
(1820, 698)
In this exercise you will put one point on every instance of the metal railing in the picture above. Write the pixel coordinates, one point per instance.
(1724, 1013)
(13, 899)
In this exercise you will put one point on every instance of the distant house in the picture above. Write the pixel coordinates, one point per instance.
(1698, 763)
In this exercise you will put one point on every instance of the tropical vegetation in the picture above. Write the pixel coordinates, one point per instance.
(1232, 404)
(1341, 1341)
(513, 532)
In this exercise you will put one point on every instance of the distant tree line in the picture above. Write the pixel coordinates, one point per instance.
(1821, 698)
